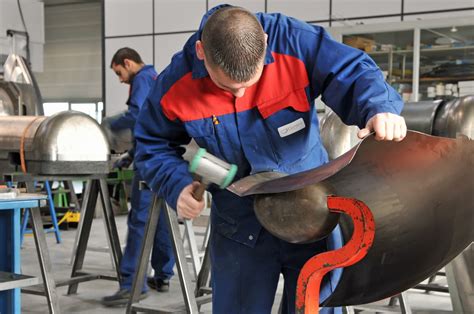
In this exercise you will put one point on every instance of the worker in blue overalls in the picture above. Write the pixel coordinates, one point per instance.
(243, 88)
(130, 69)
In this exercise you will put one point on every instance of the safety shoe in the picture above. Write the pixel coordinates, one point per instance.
(120, 298)
(159, 284)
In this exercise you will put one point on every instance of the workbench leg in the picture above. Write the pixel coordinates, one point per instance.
(147, 245)
(52, 212)
(68, 185)
(204, 272)
(404, 306)
(44, 260)
(181, 262)
(43, 256)
(191, 237)
(112, 233)
(90, 195)
(85, 200)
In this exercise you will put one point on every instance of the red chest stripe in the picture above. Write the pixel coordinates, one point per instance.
(281, 85)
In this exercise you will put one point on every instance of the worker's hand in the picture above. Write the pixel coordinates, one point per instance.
(124, 161)
(387, 127)
(188, 207)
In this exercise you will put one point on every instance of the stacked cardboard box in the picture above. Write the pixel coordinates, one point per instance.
(361, 43)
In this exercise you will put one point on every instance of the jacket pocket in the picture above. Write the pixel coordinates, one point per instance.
(211, 137)
(296, 100)
(288, 121)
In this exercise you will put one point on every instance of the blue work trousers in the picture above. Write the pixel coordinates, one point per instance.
(162, 258)
(245, 279)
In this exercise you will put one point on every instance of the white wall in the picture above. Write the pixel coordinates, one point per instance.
(159, 28)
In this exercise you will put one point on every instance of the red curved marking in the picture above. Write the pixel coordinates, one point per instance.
(312, 273)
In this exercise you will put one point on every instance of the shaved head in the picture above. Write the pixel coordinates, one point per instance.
(234, 41)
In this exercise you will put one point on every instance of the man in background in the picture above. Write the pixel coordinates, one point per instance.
(131, 70)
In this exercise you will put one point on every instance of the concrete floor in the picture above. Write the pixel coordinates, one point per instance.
(87, 300)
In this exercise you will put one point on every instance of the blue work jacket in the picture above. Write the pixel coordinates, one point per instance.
(140, 86)
(273, 127)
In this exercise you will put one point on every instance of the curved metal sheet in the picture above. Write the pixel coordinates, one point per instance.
(420, 191)
(337, 137)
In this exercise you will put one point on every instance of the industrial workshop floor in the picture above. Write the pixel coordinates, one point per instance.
(87, 300)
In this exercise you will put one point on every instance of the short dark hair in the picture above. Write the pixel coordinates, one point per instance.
(234, 40)
(125, 53)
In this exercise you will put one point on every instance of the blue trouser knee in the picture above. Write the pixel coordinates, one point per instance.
(245, 279)
(162, 254)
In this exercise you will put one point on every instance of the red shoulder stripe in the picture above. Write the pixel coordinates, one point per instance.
(192, 99)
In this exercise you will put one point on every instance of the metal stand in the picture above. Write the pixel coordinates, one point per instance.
(192, 299)
(392, 306)
(92, 191)
(43, 256)
(460, 276)
(96, 186)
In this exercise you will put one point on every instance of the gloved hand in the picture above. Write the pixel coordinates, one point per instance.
(124, 161)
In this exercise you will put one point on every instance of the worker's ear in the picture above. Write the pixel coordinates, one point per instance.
(127, 64)
(199, 50)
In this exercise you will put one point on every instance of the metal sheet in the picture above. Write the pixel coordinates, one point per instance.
(420, 191)
(337, 137)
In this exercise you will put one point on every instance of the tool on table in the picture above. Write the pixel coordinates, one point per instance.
(210, 169)
(8, 193)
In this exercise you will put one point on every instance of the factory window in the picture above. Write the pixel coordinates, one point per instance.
(92, 109)
(51, 108)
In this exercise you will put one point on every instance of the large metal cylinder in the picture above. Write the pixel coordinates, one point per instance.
(440, 118)
(69, 143)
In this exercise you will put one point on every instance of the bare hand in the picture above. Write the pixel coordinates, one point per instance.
(187, 206)
(387, 127)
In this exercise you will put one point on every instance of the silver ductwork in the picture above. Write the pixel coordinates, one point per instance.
(67, 143)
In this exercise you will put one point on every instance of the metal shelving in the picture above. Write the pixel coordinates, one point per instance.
(418, 55)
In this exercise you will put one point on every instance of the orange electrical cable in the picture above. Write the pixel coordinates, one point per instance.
(22, 145)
